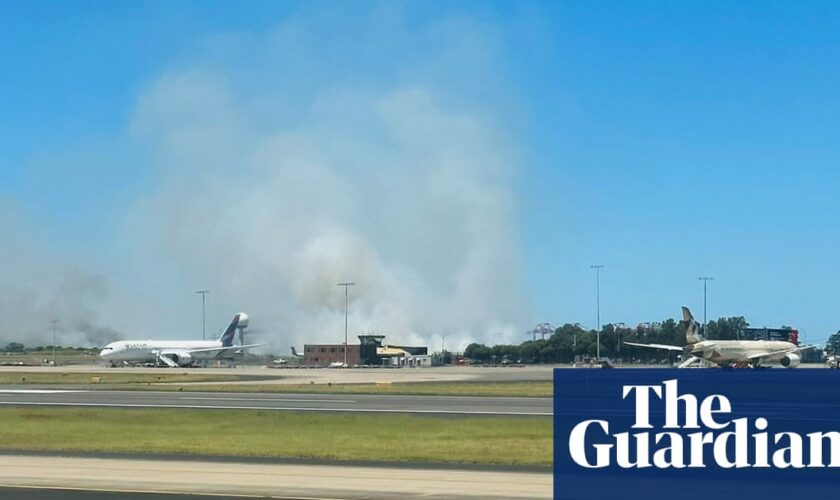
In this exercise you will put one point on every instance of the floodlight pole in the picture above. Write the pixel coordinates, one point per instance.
(346, 286)
(597, 268)
(53, 342)
(705, 280)
(203, 315)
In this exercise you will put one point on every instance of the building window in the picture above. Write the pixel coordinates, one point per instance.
(332, 349)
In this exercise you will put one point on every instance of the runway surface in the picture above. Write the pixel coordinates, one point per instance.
(65, 494)
(25, 477)
(296, 376)
(431, 405)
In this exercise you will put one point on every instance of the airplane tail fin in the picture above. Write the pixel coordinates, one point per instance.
(239, 321)
(295, 353)
(692, 329)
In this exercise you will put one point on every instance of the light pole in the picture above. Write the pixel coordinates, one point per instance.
(203, 315)
(346, 286)
(443, 347)
(705, 280)
(53, 342)
(597, 268)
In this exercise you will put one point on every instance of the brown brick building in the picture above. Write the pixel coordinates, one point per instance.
(324, 354)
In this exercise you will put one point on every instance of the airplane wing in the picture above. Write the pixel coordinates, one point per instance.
(221, 350)
(656, 346)
(755, 357)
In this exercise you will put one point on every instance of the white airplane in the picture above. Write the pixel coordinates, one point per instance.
(731, 352)
(176, 353)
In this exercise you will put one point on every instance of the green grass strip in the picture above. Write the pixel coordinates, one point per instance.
(497, 440)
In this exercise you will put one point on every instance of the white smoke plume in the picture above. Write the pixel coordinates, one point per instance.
(273, 179)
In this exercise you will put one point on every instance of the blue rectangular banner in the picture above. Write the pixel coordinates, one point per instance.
(696, 434)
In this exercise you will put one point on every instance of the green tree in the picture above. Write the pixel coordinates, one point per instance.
(529, 351)
(478, 352)
(833, 343)
(472, 350)
(548, 354)
(726, 328)
(15, 347)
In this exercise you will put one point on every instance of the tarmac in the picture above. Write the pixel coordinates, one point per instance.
(42, 476)
(37, 477)
(263, 375)
(442, 405)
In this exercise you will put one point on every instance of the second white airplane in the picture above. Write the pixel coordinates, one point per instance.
(731, 352)
(176, 353)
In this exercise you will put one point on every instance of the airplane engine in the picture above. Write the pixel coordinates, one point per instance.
(182, 358)
(791, 360)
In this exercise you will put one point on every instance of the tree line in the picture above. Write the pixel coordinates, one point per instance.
(17, 347)
(571, 341)
(833, 344)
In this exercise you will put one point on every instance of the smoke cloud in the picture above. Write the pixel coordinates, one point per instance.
(278, 170)
(39, 287)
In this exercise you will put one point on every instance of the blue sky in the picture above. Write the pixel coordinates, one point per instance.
(665, 140)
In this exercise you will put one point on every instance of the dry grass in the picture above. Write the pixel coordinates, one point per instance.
(82, 378)
(498, 389)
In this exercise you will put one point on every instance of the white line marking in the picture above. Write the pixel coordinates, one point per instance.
(283, 400)
(215, 407)
(158, 492)
(36, 391)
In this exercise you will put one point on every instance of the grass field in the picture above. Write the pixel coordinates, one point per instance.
(502, 440)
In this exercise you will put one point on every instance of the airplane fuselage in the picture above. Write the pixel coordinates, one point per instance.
(730, 352)
(147, 351)
(726, 352)
(176, 353)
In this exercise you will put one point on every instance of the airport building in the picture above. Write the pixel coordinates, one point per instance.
(410, 361)
(370, 351)
(325, 354)
(783, 334)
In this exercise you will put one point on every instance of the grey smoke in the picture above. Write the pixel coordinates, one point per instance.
(97, 335)
(37, 290)
(274, 177)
